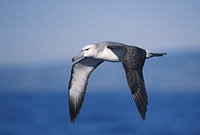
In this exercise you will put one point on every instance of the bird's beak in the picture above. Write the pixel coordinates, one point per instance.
(80, 55)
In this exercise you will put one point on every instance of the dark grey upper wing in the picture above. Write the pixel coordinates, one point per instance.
(133, 62)
(80, 73)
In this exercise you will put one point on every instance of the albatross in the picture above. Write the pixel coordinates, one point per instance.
(132, 58)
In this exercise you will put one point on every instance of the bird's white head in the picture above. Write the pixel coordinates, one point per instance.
(87, 51)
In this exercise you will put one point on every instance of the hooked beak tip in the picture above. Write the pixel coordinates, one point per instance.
(73, 59)
(80, 55)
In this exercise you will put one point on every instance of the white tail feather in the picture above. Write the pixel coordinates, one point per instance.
(150, 54)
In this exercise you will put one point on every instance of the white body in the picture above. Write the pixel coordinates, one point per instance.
(108, 55)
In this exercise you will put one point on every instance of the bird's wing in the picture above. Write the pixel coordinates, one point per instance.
(80, 73)
(133, 62)
(115, 45)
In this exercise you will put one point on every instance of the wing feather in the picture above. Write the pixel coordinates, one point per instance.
(80, 74)
(133, 62)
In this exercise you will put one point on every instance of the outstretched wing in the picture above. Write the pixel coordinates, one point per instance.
(133, 62)
(80, 73)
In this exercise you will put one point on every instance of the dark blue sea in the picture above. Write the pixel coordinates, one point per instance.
(102, 113)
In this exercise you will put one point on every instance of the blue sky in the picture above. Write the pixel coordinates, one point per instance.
(50, 30)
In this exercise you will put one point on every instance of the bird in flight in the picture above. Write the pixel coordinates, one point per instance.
(132, 58)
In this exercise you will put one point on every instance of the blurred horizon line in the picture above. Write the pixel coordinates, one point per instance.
(67, 59)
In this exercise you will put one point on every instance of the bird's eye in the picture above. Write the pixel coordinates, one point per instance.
(86, 49)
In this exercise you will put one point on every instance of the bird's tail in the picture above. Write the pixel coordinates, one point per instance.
(150, 54)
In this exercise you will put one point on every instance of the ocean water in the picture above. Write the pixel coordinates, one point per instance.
(101, 114)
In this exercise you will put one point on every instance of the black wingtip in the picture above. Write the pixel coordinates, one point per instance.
(143, 119)
(72, 120)
(73, 113)
(73, 117)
